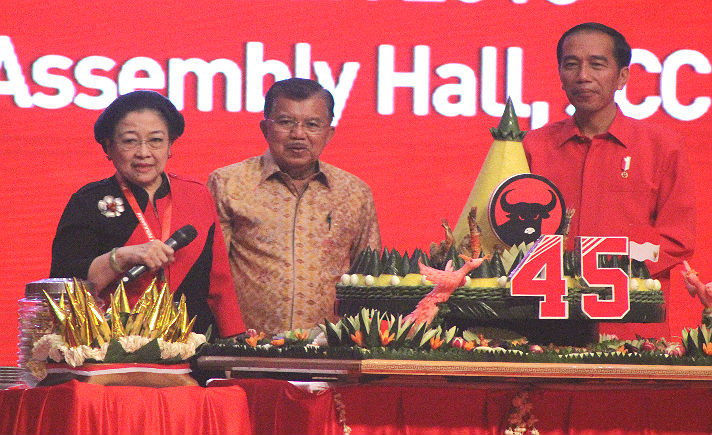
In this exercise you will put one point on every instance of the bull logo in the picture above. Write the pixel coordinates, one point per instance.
(524, 207)
(524, 219)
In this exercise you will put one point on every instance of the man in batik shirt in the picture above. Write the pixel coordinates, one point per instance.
(292, 223)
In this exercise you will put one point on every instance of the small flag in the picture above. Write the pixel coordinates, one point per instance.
(646, 251)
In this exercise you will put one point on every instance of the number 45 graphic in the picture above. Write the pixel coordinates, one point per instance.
(541, 273)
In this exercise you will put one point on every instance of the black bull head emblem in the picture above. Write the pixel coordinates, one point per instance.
(524, 220)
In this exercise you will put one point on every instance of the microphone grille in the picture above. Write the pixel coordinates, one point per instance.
(184, 235)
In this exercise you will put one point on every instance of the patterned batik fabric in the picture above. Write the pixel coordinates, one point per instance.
(287, 250)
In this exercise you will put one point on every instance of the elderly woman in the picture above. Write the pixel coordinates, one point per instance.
(111, 225)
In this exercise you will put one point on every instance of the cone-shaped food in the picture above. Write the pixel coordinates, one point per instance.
(145, 298)
(186, 332)
(78, 316)
(117, 328)
(505, 158)
(98, 319)
(94, 333)
(79, 291)
(122, 301)
(58, 312)
(154, 315)
(170, 329)
(167, 309)
(76, 304)
(182, 316)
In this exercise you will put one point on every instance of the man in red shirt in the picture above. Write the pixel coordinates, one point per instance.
(623, 177)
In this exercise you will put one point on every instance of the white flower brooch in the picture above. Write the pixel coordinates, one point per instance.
(110, 206)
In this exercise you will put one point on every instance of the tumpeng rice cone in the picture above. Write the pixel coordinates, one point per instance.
(505, 159)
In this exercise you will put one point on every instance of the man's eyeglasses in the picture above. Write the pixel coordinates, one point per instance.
(130, 144)
(312, 126)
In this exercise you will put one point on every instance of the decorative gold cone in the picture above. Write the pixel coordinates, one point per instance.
(123, 300)
(94, 334)
(137, 324)
(56, 310)
(79, 292)
(76, 308)
(166, 310)
(155, 311)
(98, 318)
(188, 329)
(117, 328)
(170, 329)
(145, 299)
(182, 314)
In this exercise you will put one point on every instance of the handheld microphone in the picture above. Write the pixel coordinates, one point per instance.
(179, 239)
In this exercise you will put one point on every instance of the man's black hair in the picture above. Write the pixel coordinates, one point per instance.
(621, 48)
(298, 90)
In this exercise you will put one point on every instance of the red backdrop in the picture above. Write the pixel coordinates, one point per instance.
(418, 139)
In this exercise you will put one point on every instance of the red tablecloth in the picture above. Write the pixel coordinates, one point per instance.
(277, 407)
(81, 408)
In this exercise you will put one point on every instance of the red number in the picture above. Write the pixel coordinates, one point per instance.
(541, 273)
(590, 249)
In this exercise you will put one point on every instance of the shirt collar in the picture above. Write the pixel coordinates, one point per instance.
(619, 130)
(270, 169)
(142, 196)
(164, 189)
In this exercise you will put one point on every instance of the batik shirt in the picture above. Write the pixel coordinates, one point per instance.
(287, 250)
